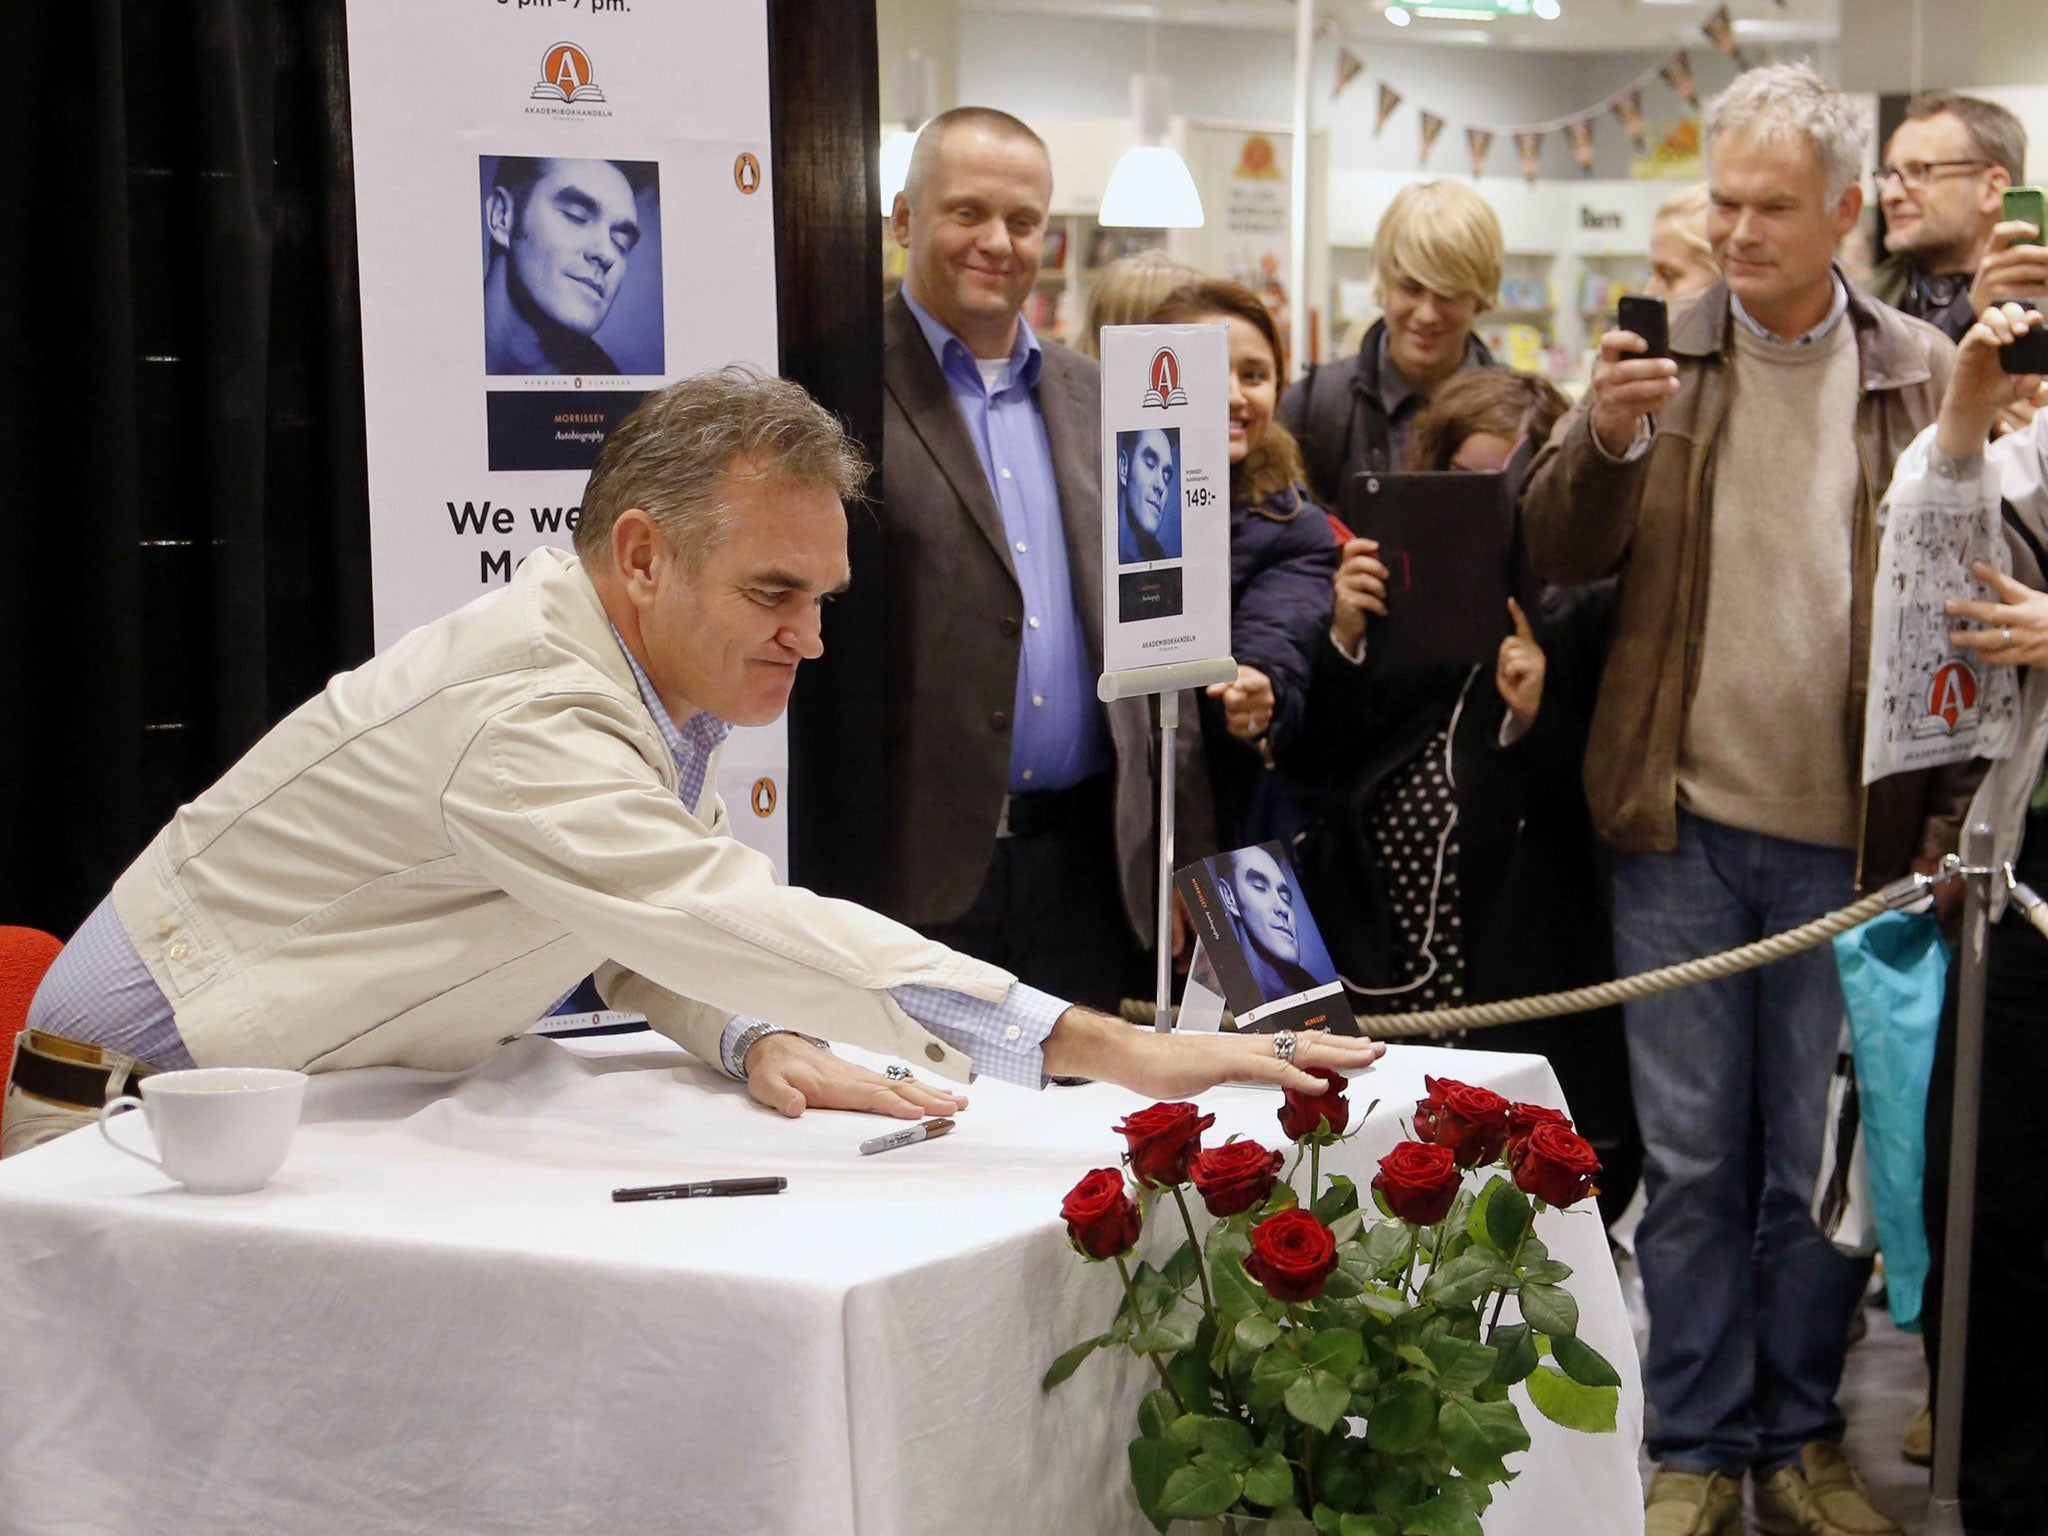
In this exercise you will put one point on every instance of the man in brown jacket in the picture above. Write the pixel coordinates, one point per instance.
(1734, 487)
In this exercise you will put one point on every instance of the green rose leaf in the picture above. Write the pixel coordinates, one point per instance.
(1257, 1331)
(1227, 1240)
(1236, 1296)
(1229, 1442)
(1153, 1461)
(1156, 1412)
(1339, 1199)
(1545, 1271)
(1550, 1310)
(1180, 1269)
(1327, 1519)
(1386, 1247)
(1153, 1290)
(1070, 1362)
(1272, 1374)
(1507, 1215)
(1202, 1488)
(1186, 1432)
(1450, 1513)
(1582, 1362)
(1347, 1226)
(1318, 1398)
(1402, 1419)
(1340, 1479)
(1477, 1436)
(1270, 1481)
(1461, 1364)
(1368, 1525)
(1336, 1350)
(1515, 1347)
(1564, 1401)
(1459, 1282)
(1173, 1332)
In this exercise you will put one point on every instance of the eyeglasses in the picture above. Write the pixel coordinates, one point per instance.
(1915, 174)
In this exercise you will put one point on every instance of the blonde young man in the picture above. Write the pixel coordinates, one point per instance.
(1437, 259)
(427, 854)
(1734, 487)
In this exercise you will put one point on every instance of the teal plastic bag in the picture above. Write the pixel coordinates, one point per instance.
(1893, 970)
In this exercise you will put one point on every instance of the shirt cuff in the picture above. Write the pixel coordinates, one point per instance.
(1355, 657)
(1646, 434)
(1969, 467)
(1005, 1039)
(736, 1026)
(1512, 729)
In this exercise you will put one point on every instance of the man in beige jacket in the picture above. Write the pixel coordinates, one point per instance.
(421, 859)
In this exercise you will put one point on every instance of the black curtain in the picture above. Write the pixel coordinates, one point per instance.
(181, 430)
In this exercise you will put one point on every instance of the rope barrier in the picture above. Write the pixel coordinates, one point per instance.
(1901, 893)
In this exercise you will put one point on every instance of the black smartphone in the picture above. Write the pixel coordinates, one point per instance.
(2029, 354)
(1647, 318)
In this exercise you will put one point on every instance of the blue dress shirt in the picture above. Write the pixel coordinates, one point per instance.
(1059, 736)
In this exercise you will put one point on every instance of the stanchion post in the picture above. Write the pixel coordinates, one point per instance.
(1944, 1508)
(1162, 990)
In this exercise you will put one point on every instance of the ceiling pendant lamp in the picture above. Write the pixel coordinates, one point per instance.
(1150, 187)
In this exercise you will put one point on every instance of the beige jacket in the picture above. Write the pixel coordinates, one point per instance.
(1587, 517)
(417, 861)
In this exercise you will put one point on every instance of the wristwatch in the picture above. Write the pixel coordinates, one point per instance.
(753, 1034)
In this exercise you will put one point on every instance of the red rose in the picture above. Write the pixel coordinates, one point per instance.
(1524, 1118)
(1556, 1165)
(1162, 1138)
(1301, 1113)
(1101, 1218)
(1418, 1181)
(1472, 1122)
(1292, 1255)
(1235, 1176)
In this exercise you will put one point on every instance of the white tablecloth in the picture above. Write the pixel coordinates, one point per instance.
(436, 1319)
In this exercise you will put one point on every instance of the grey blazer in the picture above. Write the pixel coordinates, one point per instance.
(954, 632)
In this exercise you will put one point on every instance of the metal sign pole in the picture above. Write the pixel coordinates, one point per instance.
(1162, 992)
(1944, 1507)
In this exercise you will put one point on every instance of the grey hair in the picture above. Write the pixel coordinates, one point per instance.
(1769, 103)
(672, 455)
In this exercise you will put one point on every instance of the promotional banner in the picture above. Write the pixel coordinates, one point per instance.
(1165, 495)
(560, 207)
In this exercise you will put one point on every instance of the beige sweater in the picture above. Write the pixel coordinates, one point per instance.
(1766, 744)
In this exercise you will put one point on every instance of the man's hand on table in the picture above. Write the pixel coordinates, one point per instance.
(1089, 1044)
(789, 1075)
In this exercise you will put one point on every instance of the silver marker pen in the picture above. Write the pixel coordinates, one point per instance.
(906, 1138)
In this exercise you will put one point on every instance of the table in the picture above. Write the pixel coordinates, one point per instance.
(436, 1320)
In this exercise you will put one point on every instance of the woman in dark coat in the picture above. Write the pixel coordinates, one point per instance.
(1453, 860)
(1282, 558)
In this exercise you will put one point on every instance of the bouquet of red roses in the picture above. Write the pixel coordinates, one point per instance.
(1315, 1365)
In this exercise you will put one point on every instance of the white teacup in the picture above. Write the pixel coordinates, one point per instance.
(221, 1130)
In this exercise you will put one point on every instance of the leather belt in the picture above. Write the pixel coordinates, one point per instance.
(1052, 810)
(82, 1085)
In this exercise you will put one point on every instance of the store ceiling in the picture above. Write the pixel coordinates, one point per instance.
(1586, 26)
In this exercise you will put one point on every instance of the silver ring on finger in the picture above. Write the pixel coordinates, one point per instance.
(2008, 634)
(1283, 1044)
(896, 1072)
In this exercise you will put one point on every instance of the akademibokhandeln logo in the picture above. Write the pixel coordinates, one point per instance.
(1951, 702)
(1165, 377)
(565, 75)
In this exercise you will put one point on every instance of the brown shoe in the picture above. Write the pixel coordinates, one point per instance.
(1917, 1444)
(1820, 1496)
(1693, 1504)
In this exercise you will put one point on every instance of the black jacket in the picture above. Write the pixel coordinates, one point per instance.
(1283, 558)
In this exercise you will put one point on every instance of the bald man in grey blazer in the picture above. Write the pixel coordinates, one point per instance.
(1020, 823)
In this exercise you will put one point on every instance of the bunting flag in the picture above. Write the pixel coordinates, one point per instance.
(1389, 99)
(1720, 31)
(1479, 141)
(1349, 66)
(1677, 73)
(1432, 125)
(1529, 149)
(1579, 135)
(1628, 111)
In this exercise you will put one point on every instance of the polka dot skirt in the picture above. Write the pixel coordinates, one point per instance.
(1412, 816)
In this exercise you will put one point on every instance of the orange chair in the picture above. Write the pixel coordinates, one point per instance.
(25, 954)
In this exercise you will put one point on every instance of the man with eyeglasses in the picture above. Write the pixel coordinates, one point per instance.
(1943, 173)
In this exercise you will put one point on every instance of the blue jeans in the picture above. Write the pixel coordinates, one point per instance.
(1749, 1304)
